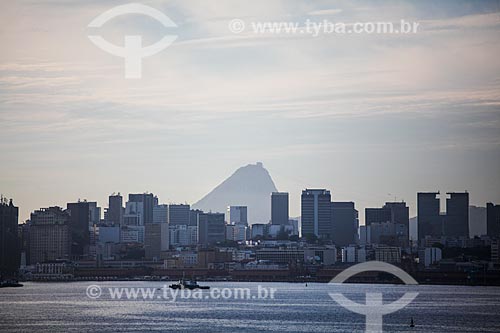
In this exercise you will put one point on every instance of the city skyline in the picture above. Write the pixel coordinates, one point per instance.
(411, 203)
(363, 115)
(236, 165)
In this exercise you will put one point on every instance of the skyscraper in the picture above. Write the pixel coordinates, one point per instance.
(279, 208)
(134, 214)
(160, 214)
(456, 222)
(211, 228)
(179, 214)
(95, 214)
(79, 227)
(428, 215)
(377, 215)
(316, 213)
(156, 240)
(237, 215)
(344, 223)
(396, 213)
(193, 217)
(400, 212)
(115, 210)
(9, 242)
(148, 200)
(493, 220)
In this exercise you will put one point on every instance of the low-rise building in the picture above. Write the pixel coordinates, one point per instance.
(389, 254)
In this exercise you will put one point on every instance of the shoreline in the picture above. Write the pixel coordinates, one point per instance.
(394, 283)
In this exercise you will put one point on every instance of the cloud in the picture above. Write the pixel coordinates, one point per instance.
(324, 12)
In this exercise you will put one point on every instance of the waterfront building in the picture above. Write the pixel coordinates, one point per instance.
(279, 208)
(50, 235)
(345, 223)
(10, 254)
(316, 213)
(493, 220)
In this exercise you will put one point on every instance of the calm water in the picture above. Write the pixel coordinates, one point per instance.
(63, 307)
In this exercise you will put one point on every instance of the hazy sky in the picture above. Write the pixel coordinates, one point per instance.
(370, 117)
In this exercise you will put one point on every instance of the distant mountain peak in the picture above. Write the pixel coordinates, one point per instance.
(249, 185)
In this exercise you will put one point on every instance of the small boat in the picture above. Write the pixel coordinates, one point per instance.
(412, 323)
(187, 284)
(10, 283)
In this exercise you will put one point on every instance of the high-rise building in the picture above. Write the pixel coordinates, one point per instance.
(316, 213)
(388, 233)
(279, 208)
(179, 214)
(148, 200)
(160, 214)
(211, 228)
(456, 222)
(79, 226)
(477, 221)
(344, 223)
(156, 240)
(493, 220)
(377, 215)
(115, 210)
(395, 213)
(50, 234)
(193, 217)
(9, 242)
(95, 214)
(134, 214)
(237, 215)
(428, 215)
(400, 212)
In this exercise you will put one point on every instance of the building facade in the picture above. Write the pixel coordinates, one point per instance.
(279, 208)
(179, 214)
(345, 223)
(493, 220)
(428, 215)
(456, 221)
(237, 215)
(50, 235)
(316, 213)
(9, 241)
(148, 202)
(211, 228)
(79, 223)
(115, 210)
